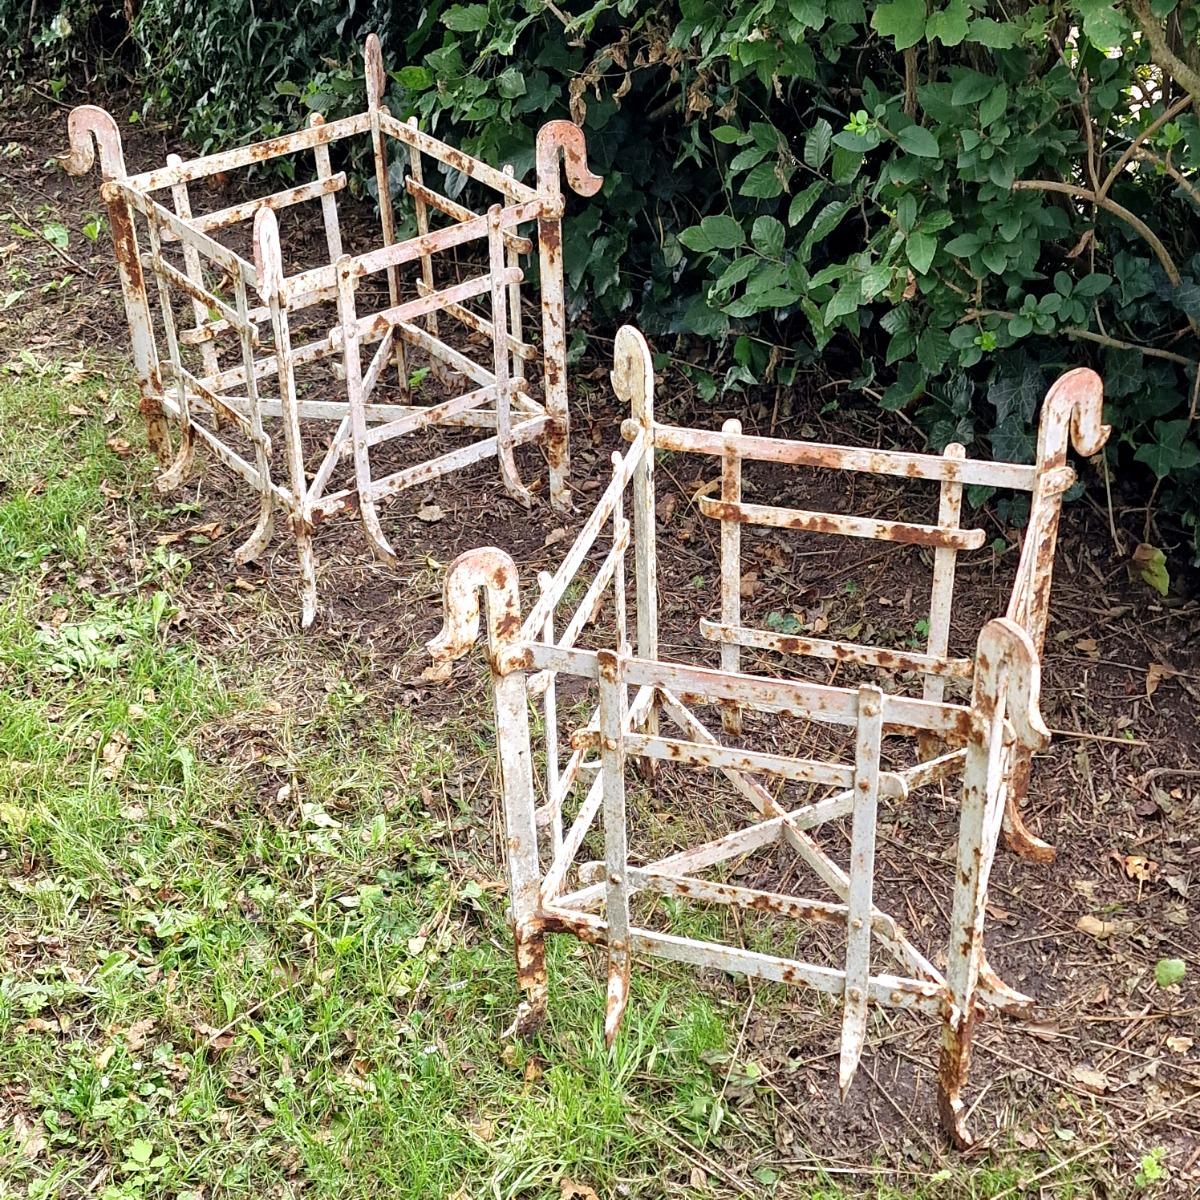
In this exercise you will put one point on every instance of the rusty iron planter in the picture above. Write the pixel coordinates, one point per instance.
(985, 741)
(229, 360)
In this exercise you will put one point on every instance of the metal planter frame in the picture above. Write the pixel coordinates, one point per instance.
(988, 741)
(240, 312)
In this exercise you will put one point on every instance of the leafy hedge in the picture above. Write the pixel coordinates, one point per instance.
(941, 201)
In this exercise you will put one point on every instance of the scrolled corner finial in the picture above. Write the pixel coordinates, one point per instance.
(1073, 409)
(268, 254)
(485, 570)
(632, 373)
(1004, 647)
(567, 137)
(376, 76)
(89, 127)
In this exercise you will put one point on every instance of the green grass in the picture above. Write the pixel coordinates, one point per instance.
(243, 954)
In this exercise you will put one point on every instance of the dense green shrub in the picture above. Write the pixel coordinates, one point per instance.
(897, 192)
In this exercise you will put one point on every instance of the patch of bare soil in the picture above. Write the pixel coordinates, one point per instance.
(1111, 1065)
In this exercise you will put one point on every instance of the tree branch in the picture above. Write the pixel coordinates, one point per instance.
(1161, 52)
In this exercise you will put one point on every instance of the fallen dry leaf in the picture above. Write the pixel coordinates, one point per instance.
(135, 1036)
(748, 584)
(554, 537)
(1178, 1044)
(119, 446)
(1095, 927)
(483, 1129)
(430, 513)
(209, 529)
(1155, 674)
(570, 1190)
(1136, 866)
(1090, 1080)
(438, 672)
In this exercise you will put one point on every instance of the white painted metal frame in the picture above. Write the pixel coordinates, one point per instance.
(182, 378)
(987, 740)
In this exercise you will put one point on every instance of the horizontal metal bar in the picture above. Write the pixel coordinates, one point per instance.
(435, 414)
(414, 335)
(474, 321)
(443, 204)
(224, 217)
(698, 754)
(816, 701)
(898, 463)
(480, 171)
(871, 656)
(375, 325)
(847, 526)
(261, 312)
(892, 990)
(399, 253)
(244, 156)
(526, 431)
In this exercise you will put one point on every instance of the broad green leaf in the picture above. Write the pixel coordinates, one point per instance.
(827, 220)
(901, 20)
(1151, 565)
(916, 139)
(950, 25)
(743, 160)
(971, 88)
(816, 144)
(736, 272)
(510, 83)
(723, 231)
(768, 236)
(803, 201)
(920, 248)
(469, 18)
(996, 35)
(728, 134)
(694, 238)
(1104, 23)
(1092, 285)
(994, 107)
(762, 183)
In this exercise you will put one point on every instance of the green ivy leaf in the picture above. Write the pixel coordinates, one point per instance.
(414, 79)
(1104, 23)
(996, 35)
(510, 83)
(468, 18)
(950, 25)
(971, 87)
(901, 20)
(916, 139)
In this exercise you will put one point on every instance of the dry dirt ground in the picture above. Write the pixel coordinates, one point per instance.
(1110, 1069)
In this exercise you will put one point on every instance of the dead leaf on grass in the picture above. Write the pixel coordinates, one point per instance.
(31, 1137)
(119, 446)
(438, 672)
(483, 1129)
(135, 1036)
(570, 1190)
